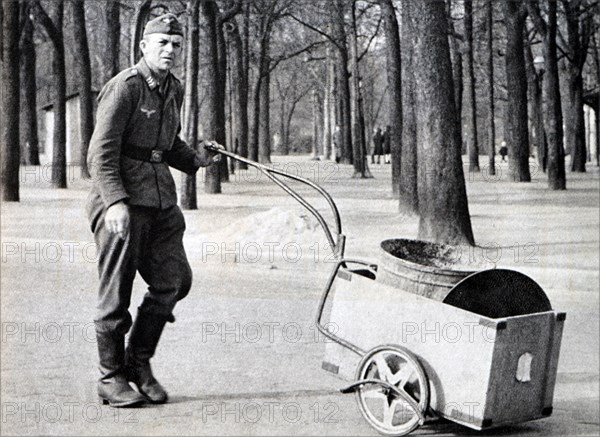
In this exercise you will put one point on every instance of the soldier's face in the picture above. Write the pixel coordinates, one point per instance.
(161, 51)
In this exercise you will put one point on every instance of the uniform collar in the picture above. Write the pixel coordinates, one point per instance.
(149, 78)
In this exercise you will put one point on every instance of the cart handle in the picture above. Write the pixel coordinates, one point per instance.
(337, 245)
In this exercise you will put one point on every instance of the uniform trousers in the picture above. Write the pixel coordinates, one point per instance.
(154, 248)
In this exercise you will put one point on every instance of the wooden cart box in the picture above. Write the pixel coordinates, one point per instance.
(482, 372)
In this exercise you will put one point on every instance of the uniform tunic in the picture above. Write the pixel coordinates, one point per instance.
(132, 112)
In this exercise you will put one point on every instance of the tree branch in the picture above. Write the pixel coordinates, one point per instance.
(49, 27)
(287, 56)
(370, 40)
(314, 29)
(229, 13)
(534, 12)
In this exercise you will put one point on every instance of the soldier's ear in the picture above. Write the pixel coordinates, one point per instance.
(143, 45)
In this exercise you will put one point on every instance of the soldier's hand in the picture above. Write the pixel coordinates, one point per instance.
(117, 219)
(211, 146)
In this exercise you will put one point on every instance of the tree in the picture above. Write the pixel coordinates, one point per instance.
(408, 195)
(537, 135)
(113, 37)
(579, 15)
(489, 72)
(141, 17)
(553, 122)
(10, 101)
(190, 111)
(240, 91)
(53, 27)
(337, 8)
(267, 12)
(361, 168)
(515, 124)
(30, 154)
(209, 9)
(457, 66)
(223, 17)
(290, 93)
(473, 143)
(443, 208)
(394, 79)
(83, 71)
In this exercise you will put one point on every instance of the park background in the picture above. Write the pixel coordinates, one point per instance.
(453, 80)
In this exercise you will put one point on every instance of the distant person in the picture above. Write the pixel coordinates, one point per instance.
(377, 146)
(337, 144)
(387, 143)
(503, 150)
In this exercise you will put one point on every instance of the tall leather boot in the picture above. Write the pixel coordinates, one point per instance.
(113, 388)
(145, 333)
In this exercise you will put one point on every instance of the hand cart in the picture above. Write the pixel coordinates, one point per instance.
(485, 356)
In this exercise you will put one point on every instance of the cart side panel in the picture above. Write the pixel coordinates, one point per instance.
(524, 369)
(453, 345)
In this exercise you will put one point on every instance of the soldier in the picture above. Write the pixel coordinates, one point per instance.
(133, 212)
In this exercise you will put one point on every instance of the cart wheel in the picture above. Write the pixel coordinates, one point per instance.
(395, 393)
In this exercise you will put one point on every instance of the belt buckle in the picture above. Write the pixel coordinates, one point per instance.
(156, 156)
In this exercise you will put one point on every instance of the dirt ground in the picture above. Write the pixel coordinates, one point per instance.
(244, 357)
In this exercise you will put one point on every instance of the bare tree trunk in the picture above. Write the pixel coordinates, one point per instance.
(245, 85)
(255, 127)
(457, 72)
(361, 168)
(240, 91)
(343, 84)
(443, 206)
(473, 145)
(491, 123)
(578, 35)
(394, 79)
(137, 29)
(553, 121)
(30, 154)
(597, 112)
(83, 70)
(537, 135)
(189, 198)
(259, 144)
(53, 27)
(113, 39)
(212, 180)
(316, 113)
(10, 101)
(516, 131)
(408, 196)
(328, 102)
(283, 146)
(220, 136)
(264, 119)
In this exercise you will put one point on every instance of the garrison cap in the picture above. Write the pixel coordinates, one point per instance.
(167, 24)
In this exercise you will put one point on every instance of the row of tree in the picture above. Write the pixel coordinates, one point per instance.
(449, 65)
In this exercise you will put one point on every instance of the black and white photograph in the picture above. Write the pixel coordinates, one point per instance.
(300, 218)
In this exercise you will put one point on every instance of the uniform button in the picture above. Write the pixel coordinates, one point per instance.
(156, 156)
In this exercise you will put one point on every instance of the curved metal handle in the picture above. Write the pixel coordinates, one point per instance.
(337, 244)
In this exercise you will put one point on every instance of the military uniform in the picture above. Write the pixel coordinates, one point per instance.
(134, 143)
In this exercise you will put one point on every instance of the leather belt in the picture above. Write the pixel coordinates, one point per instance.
(143, 154)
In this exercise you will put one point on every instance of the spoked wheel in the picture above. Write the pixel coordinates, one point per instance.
(392, 390)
